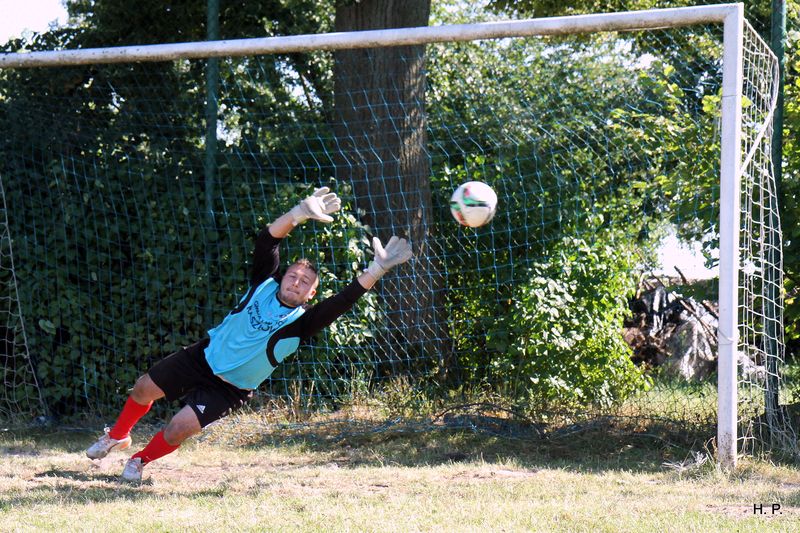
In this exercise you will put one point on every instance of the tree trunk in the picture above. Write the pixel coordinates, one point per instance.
(379, 96)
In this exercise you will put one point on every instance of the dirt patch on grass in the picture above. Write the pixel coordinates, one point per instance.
(481, 473)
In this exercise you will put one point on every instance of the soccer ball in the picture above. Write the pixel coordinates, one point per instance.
(473, 204)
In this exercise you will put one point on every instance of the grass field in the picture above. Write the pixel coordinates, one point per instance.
(441, 480)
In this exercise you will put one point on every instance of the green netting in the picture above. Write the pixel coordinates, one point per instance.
(20, 388)
(127, 245)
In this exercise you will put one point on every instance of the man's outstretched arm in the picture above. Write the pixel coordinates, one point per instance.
(397, 252)
(318, 206)
(317, 317)
(266, 257)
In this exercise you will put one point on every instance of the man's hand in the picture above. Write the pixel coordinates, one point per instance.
(397, 252)
(318, 206)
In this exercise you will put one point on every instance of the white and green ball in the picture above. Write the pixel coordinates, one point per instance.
(473, 204)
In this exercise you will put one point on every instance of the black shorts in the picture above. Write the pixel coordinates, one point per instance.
(186, 375)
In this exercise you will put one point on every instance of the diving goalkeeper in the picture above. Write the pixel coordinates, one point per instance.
(218, 374)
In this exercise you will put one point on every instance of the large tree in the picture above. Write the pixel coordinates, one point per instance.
(380, 124)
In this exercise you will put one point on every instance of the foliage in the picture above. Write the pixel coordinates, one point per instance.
(626, 151)
(117, 298)
(759, 13)
(560, 344)
(790, 186)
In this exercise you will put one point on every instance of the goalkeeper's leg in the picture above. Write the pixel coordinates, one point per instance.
(182, 426)
(138, 404)
(216, 400)
(172, 377)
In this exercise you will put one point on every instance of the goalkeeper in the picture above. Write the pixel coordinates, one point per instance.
(218, 375)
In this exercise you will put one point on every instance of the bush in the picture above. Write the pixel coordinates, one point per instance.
(562, 336)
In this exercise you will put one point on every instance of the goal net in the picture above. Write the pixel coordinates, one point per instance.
(131, 217)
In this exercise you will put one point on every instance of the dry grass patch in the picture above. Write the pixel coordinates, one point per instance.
(429, 481)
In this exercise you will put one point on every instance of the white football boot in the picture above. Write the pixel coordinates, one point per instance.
(133, 470)
(106, 444)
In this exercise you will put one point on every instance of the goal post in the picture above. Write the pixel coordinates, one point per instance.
(744, 124)
(626, 21)
(730, 186)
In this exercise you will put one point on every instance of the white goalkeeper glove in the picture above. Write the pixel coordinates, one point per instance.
(397, 252)
(318, 206)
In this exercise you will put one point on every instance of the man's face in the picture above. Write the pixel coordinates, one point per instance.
(298, 285)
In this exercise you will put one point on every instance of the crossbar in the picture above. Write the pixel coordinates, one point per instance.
(624, 21)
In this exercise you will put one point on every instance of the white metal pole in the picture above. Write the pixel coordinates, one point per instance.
(730, 192)
(630, 20)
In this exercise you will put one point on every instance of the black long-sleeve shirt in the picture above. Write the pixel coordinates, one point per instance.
(261, 331)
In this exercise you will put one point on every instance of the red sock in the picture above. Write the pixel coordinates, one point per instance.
(130, 414)
(157, 447)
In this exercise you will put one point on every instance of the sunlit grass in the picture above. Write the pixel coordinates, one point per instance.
(384, 481)
(403, 460)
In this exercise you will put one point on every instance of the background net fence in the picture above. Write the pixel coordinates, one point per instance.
(20, 389)
(131, 238)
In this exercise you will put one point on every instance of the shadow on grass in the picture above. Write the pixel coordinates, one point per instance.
(64, 487)
(591, 448)
(37, 440)
(68, 486)
(43, 495)
(77, 475)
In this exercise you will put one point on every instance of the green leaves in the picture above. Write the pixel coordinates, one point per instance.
(566, 326)
(556, 342)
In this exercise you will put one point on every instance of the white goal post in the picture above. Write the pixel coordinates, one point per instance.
(625, 21)
(731, 16)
